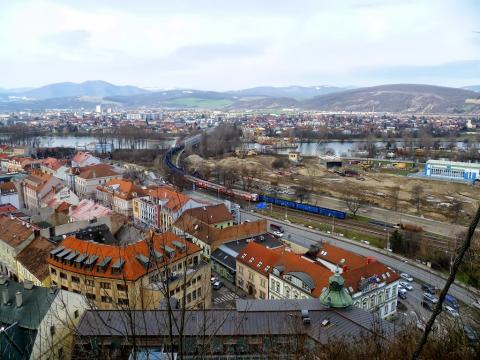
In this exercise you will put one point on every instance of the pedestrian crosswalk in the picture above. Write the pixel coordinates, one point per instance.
(225, 297)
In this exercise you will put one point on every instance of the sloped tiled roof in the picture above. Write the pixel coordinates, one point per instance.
(211, 214)
(88, 209)
(263, 259)
(52, 163)
(132, 269)
(173, 199)
(124, 189)
(34, 257)
(97, 171)
(334, 255)
(353, 277)
(14, 231)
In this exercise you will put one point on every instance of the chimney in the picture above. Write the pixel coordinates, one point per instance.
(28, 285)
(5, 296)
(18, 299)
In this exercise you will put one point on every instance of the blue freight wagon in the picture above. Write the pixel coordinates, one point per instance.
(304, 207)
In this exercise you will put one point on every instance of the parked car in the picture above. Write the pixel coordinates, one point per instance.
(428, 289)
(406, 276)
(451, 311)
(470, 333)
(213, 280)
(406, 285)
(476, 304)
(402, 293)
(431, 298)
(428, 305)
(452, 302)
(217, 285)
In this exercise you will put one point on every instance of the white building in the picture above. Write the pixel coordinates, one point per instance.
(453, 170)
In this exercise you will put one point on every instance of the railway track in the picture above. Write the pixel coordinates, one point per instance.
(437, 243)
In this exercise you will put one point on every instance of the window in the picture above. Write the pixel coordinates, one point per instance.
(53, 271)
(287, 292)
(250, 276)
(104, 285)
(52, 330)
(262, 295)
(199, 292)
(123, 302)
(76, 314)
(89, 283)
(63, 275)
(91, 296)
(263, 282)
(189, 298)
(387, 293)
(194, 295)
(240, 270)
(122, 287)
(75, 279)
(277, 285)
(106, 299)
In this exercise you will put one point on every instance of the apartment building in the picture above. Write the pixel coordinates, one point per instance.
(84, 158)
(32, 262)
(161, 208)
(214, 215)
(209, 237)
(135, 276)
(39, 187)
(254, 264)
(86, 179)
(15, 235)
(9, 194)
(50, 165)
(118, 194)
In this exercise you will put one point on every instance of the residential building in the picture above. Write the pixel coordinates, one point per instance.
(9, 194)
(134, 276)
(214, 215)
(161, 207)
(84, 158)
(255, 329)
(37, 323)
(39, 187)
(224, 258)
(209, 237)
(19, 164)
(88, 210)
(454, 170)
(32, 262)
(15, 235)
(118, 194)
(254, 263)
(86, 179)
(50, 165)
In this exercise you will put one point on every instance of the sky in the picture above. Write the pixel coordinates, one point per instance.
(227, 45)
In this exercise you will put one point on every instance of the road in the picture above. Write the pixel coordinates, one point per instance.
(306, 237)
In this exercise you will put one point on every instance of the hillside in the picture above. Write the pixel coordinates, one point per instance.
(475, 88)
(397, 98)
(87, 88)
(293, 92)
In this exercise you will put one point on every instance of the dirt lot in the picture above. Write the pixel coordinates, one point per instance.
(375, 187)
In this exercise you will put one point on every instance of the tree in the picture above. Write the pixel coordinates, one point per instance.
(353, 203)
(301, 193)
(394, 195)
(455, 209)
(417, 197)
(396, 242)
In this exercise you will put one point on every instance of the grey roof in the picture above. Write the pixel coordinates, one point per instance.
(35, 304)
(307, 279)
(252, 318)
(267, 240)
(224, 258)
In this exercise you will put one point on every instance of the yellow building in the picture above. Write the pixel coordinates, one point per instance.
(32, 262)
(134, 276)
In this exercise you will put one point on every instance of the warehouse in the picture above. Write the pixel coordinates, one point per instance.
(453, 170)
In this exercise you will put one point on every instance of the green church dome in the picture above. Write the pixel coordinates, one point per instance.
(336, 296)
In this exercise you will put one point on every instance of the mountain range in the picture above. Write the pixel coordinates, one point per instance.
(411, 98)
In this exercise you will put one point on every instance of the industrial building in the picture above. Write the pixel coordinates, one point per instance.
(452, 170)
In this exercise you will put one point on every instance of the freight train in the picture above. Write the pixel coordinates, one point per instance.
(244, 195)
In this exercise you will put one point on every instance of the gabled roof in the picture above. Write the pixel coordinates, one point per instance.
(89, 209)
(52, 163)
(210, 234)
(97, 171)
(8, 188)
(171, 199)
(353, 277)
(37, 263)
(260, 258)
(334, 255)
(14, 231)
(133, 256)
(124, 189)
(211, 214)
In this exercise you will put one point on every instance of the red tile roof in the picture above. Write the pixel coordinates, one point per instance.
(264, 259)
(124, 189)
(133, 268)
(353, 277)
(37, 264)
(211, 214)
(52, 163)
(173, 199)
(96, 171)
(334, 255)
